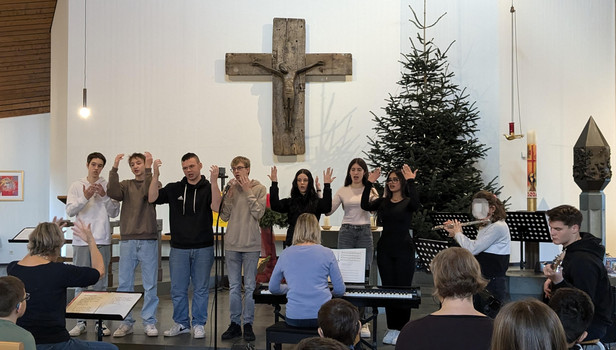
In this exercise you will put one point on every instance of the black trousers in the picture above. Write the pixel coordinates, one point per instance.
(396, 271)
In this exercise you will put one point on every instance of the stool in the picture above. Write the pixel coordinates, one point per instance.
(281, 333)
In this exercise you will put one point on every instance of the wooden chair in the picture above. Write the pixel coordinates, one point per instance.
(10, 345)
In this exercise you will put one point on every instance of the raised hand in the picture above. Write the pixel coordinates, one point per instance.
(82, 231)
(244, 181)
(148, 159)
(89, 192)
(374, 175)
(60, 222)
(273, 174)
(408, 173)
(118, 158)
(214, 173)
(317, 184)
(327, 176)
(157, 164)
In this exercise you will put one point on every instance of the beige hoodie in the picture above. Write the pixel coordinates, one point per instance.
(243, 211)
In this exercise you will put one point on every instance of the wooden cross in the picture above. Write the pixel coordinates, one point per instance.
(288, 64)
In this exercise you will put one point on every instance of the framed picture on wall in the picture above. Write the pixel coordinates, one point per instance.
(11, 185)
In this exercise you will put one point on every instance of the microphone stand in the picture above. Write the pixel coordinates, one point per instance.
(222, 176)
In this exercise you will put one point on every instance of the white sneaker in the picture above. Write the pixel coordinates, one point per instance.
(124, 329)
(106, 331)
(389, 336)
(79, 329)
(177, 329)
(365, 330)
(394, 339)
(151, 331)
(198, 332)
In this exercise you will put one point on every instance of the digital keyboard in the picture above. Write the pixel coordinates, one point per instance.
(358, 296)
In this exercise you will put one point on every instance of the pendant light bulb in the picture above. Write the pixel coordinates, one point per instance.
(85, 112)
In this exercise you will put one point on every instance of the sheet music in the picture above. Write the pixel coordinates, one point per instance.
(104, 303)
(352, 264)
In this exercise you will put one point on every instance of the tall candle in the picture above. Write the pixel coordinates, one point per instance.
(531, 171)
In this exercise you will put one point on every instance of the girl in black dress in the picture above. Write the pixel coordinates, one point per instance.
(304, 198)
(395, 250)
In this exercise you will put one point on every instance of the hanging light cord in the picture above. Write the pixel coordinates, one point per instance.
(85, 41)
(515, 79)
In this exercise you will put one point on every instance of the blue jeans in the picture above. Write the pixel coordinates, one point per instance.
(357, 236)
(81, 257)
(235, 261)
(132, 253)
(77, 344)
(186, 265)
(302, 323)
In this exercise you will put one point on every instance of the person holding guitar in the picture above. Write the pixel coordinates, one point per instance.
(582, 266)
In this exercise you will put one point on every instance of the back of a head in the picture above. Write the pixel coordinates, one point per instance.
(457, 274)
(575, 310)
(307, 229)
(11, 293)
(318, 343)
(339, 319)
(528, 325)
(46, 239)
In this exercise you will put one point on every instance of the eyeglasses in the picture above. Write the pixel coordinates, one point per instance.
(238, 168)
(393, 179)
(27, 297)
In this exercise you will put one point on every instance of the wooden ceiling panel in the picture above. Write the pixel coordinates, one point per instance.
(25, 56)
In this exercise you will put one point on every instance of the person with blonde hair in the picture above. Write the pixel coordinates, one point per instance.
(457, 277)
(46, 282)
(528, 325)
(306, 266)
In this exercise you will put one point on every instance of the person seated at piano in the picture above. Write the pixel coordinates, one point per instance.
(395, 249)
(457, 277)
(492, 245)
(306, 267)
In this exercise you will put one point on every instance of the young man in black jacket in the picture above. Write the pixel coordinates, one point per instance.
(191, 257)
(582, 266)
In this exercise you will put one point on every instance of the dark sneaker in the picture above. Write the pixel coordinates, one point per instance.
(233, 331)
(249, 335)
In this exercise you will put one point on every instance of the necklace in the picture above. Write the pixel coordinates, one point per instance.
(46, 257)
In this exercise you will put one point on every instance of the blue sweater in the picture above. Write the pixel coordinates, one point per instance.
(306, 268)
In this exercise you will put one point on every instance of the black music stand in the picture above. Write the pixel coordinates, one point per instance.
(469, 231)
(528, 226)
(427, 250)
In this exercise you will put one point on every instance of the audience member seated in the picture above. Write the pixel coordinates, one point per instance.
(528, 325)
(47, 280)
(456, 325)
(319, 343)
(13, 299)
(306, 266)
(339, 319)
(575, 310)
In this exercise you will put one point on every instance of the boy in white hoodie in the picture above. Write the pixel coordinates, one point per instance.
(87, 200)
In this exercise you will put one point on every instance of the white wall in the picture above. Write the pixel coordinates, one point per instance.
(156, 82)
(24, 143)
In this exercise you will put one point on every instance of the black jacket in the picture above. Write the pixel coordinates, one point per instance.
(190, 213)
(583, 268)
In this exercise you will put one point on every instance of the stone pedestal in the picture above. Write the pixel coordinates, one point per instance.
(592, 206)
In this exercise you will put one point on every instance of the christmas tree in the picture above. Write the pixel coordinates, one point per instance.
(431, 125)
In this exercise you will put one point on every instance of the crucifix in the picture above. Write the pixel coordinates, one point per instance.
(288, 65)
